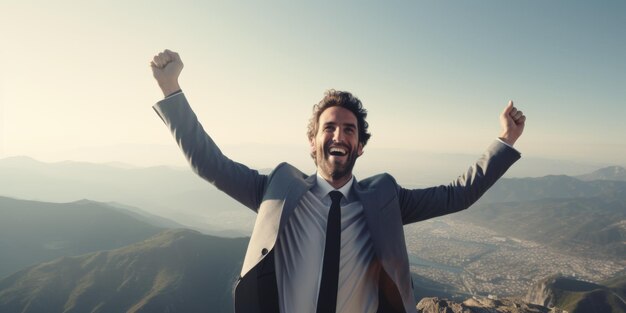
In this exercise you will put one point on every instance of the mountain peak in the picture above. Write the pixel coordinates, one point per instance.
(84, 201)
(606, 173)
(19, 160)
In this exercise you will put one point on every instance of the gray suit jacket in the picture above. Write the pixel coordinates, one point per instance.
(386, 206)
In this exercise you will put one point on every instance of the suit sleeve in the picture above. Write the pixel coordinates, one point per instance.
(237, 180)
(421, 204)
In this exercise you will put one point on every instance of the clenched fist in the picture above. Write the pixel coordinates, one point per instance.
(512, 121)
(166, 67)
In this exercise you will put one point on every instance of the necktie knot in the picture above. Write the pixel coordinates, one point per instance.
(335, 196)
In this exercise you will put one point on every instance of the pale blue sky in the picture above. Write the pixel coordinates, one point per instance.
(434, 75)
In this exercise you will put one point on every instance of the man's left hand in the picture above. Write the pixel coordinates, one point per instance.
(512, 121)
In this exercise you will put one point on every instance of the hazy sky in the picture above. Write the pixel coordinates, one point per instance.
(434, 75)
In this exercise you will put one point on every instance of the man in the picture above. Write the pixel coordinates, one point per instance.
(325, 242)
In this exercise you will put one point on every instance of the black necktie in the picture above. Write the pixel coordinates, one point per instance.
(327, 300)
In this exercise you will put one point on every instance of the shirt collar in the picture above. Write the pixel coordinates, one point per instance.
(322, 187)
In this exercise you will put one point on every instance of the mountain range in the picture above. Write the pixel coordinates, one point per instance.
(176, 194)
(585, 215)
(33, 231)
(173, 271)
(70, 243)
(582, 226)
(552, 187)
(573, 215)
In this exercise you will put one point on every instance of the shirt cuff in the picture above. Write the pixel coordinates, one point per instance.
(502, 141)
(175, 93)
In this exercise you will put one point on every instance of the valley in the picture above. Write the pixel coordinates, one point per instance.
(476, 260)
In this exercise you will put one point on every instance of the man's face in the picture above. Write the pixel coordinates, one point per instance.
(336, 144)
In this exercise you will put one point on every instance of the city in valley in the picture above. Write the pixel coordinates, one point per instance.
(477, 261)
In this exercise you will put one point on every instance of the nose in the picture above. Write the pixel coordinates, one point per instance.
(338, 135)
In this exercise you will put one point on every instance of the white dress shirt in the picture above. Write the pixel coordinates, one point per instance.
(299, 254)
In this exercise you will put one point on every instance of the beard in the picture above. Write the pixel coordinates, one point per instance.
(336, 169)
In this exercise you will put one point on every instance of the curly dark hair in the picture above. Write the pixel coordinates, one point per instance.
(345, 100)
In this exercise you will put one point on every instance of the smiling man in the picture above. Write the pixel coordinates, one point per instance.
(337, 136)
(327, 242)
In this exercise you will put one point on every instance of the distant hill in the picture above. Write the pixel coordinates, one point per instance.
(577, 296)
(551, 187)
(173, 271)
(581, 217)
(578, 225)
(174, 193)
(607, 173)
(33, 231)
(141, 215)
(180, 195)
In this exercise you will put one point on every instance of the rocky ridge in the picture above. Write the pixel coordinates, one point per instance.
(577, 296)
(481, 305)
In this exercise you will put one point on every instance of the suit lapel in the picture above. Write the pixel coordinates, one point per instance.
(370, 210)
(295, 193)
(371, 202)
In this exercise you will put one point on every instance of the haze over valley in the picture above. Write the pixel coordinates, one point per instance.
(522, 231)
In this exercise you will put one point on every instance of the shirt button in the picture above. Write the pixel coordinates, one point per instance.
(264, 251)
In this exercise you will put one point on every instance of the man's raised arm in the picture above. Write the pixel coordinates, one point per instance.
(421, 204)
(237, 180)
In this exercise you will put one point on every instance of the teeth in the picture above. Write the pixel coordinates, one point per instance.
(339, 150)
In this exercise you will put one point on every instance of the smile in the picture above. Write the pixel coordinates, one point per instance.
(338, 151)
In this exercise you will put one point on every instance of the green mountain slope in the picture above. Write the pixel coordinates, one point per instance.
(173, 271)
(32, 232)
(577, 296)
(581, 225)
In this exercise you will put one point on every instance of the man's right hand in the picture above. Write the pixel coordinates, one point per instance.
(166, 67)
